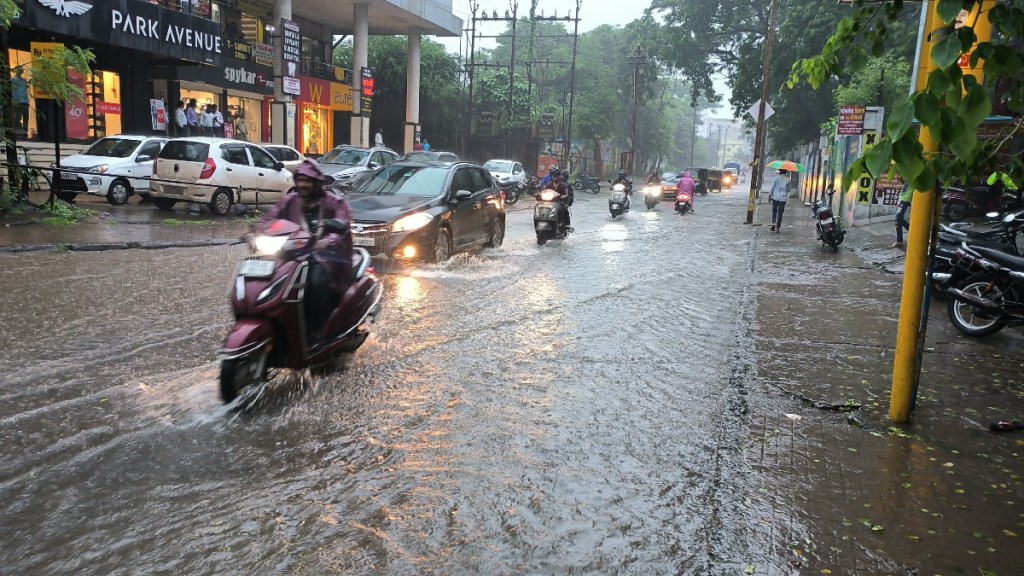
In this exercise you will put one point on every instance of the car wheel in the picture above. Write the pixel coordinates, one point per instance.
(164, 203)
(442, 245)
(497, 233)
(220, 203)
(119, 192)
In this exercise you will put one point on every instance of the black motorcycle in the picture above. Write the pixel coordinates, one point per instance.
(1004, 236)
(511, 190)
(987, 294)
(547, 220)
(618, 200)
(829, 227)
(584, 182)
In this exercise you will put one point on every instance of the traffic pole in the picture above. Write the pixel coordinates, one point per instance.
(906, 367)
(757, 171)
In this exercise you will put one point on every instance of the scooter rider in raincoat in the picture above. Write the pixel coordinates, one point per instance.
(686, 184)
(545, 182)
(330, 269)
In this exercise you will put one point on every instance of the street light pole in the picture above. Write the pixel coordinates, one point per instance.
(693, 134)
(758, 170)
(636, 59)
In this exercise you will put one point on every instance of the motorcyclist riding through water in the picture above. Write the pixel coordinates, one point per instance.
(546, 181)
(625, 181)
(560, 184)
(330, 269)
(686, 184)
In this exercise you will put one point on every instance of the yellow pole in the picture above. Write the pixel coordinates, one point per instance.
(905, 368)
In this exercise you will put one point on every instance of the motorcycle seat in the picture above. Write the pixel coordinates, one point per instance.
(1002, 258)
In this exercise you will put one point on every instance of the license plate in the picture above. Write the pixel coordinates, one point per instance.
(256, 268)
(175, 190)
(826, 221)
(615, 205)
(543, 226)
(68, 176)
(364, 241)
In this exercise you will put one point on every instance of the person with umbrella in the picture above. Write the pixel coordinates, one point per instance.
(778, 196)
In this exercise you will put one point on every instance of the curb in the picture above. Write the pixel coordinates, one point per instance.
(102, 247)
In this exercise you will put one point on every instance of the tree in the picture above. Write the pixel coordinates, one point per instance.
(46, 74)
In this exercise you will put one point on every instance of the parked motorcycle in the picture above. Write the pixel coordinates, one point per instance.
(684, 202)
(268, 303)
(511, 190)
(958, 203)
(652, 195)
(1005, 237)
(546, 221)
(829, 227)
(992, 295)
(618, 200)
(584, 182)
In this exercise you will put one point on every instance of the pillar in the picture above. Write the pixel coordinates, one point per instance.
(360, 135)
(412, 92)
(282, 111)
(282, 9)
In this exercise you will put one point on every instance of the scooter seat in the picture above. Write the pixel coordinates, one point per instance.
(1002, 258)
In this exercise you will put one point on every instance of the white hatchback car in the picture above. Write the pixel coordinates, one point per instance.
(217, 172)
(115, 167)
(286, 154)
(506, 171)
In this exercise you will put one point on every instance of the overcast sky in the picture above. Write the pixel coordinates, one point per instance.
(593, 13)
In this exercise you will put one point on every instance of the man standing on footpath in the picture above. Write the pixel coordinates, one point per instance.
(180, 120)
(906, 196)
(378, 138)
(778, 197)
(191, 119)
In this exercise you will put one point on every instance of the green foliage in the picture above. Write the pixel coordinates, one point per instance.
(950, 107)
(63, 214)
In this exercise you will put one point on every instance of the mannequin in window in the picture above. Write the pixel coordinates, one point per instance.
(19, 91)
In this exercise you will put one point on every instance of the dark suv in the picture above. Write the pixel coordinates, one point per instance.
(411, 210)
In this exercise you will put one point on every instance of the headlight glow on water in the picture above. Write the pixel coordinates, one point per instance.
(269, 244)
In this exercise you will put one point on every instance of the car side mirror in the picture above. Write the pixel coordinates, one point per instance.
(463, 195)
(278, 165)
(336, 225)
(373, 165)
(143, 158)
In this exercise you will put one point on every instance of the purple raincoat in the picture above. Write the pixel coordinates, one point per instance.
(337, 257)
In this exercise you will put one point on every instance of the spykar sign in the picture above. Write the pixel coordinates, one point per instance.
(130, 24)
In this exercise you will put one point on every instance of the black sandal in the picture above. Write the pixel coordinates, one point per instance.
(1006, 426)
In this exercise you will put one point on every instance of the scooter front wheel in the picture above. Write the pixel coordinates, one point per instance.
(238, 373)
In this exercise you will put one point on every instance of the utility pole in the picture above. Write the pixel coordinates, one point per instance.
(693, 134)
(758, 169)
(572, 83)
(636, 59)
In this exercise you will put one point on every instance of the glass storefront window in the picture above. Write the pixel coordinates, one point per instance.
(316, 130)
(109, 122)
(25, 105)
(247, 116)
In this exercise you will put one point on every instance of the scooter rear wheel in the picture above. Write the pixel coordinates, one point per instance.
(238, 373)
(972, 319)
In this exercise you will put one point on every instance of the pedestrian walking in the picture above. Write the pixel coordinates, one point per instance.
(778, 196)
(206, 120)
(426, 145)
(378, 138)
(191, 119)
(241, 131)
(180, 120)
(903, 208)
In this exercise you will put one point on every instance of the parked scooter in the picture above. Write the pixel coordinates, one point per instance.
(991, 297)
(618, 200)
(547, 222)
(511, 190)
(268, 298)
(684, 202)
(958, 203)
(584, 182)
(829, 227)
(652, 195)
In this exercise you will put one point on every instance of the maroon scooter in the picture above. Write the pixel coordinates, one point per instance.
(268, 299)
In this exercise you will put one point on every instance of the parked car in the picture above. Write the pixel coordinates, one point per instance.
(669, 185)
(217, 172)
(290, 157)
(115, 167)
(431, 155)
(730, 176)
(427, 210)
(346, 166)
(506, 170)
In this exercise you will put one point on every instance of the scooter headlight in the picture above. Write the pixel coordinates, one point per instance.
(266, 245)
(549, 195)
(618, 187)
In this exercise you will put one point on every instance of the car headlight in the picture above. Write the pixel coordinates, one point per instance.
(411, 222)
(269, 244)
(100, 169)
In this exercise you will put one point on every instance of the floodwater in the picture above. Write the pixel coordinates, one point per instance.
(577, 408)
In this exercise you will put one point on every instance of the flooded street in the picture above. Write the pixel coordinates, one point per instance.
(580, 407)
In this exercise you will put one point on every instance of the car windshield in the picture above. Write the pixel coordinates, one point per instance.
(112, 147)
(671, 176)
(345, 156)
(421, 156)
(498, 166)
(406, 181)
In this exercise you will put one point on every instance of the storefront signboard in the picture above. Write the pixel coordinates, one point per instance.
(108, 107)
(231, 74)
(263, 54)
(291, 86)
(43, 50)
(887, 191)
(130, 24)
(237, 50)
(366, 93)
(851, 121)
(291, 47)
(158, 114)
(76, 118)
(341, 97)
(315, 91)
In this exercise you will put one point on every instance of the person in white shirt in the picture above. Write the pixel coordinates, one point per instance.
(241, 131)
(378, 139)
(180, 120)
(778, 197)
(218, 122)
(206, 120)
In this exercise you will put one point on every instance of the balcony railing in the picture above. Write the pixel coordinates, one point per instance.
(199, 8)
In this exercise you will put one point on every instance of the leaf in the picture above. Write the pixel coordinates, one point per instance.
(964, 138)
(1010, 533)
(949, 9)
(749, 569)
(878, 158)
(926, 108)
(946, 51)
(853, 173)
(938, 82)
(900, 120)
(907, 153)
(975, 107)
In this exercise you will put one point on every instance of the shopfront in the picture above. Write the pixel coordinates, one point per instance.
(315, 121)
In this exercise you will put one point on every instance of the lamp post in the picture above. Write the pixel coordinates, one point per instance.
(636, 59)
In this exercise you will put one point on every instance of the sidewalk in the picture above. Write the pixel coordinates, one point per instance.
(941, 495)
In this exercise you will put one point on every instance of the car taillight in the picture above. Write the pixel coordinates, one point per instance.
(208, 169)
